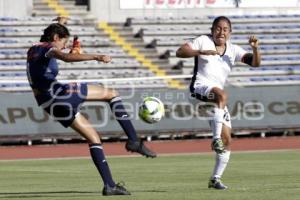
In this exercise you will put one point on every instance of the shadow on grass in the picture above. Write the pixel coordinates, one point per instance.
(152, 191)
(28, 195)
(24, 195)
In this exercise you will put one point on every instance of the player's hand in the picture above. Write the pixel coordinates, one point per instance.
(103, 58)
(253, 41)
(208, 52)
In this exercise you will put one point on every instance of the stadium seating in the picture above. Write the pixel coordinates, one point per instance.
(156, 37)
(278, 34)
(17, 35)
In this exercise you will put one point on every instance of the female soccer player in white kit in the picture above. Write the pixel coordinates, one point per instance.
(215, 56)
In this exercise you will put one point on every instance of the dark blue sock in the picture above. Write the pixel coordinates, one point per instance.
(122, 116)
(98, 157)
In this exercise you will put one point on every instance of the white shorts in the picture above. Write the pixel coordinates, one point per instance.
(203, 89)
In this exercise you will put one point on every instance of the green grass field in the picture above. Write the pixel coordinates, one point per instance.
(256, 176)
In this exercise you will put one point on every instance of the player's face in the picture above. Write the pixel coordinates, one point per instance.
(60, 43)
(221, 32)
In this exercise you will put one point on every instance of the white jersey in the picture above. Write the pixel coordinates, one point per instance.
(215, 69)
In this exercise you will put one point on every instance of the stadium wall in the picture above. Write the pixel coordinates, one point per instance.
(253, 108)
(119, 10)
(15, 8)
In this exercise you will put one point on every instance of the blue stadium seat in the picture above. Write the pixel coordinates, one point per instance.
(293, 46)
(270, 68)
(293, 58)
(256, 79)
(11, 63)
(8, 19)
(294, 78)
(8, 41)
(278, 78)
(6, 30)
(11, 52)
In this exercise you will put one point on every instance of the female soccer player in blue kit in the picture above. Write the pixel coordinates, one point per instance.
(62, 101)
(215, 56)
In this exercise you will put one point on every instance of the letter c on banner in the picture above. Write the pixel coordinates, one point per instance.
(274, 110)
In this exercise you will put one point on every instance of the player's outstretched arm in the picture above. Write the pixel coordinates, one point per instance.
(253, 59)
(185, 51)
(68, 57)
(253, 41)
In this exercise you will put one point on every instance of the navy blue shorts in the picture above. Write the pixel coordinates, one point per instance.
(63, 102)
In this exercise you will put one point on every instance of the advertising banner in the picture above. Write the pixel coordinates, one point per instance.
(185, 4)
(250, 108)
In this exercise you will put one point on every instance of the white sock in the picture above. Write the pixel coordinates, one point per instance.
(217, 122)
(221, 163)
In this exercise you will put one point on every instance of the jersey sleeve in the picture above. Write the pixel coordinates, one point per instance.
(196, 44)
(239, 53)
(48, 52)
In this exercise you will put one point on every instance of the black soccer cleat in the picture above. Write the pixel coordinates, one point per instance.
(216, 183)
(117, 190)
(139, 147)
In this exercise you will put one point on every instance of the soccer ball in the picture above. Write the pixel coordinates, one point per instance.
(151, 110)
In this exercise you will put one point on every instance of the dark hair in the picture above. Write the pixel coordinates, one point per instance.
(220, 18)
(53, 29)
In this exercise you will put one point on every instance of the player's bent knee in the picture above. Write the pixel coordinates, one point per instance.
(226, 139)
(93, 140)
(222, 97)
(227, 142)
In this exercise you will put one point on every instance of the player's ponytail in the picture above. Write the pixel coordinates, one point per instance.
(43, 38)
(53, 29)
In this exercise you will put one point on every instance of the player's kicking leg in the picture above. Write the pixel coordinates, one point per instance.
(134, 144)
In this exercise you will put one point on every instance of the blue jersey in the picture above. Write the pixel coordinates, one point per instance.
(41, 70)
(62, 101)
